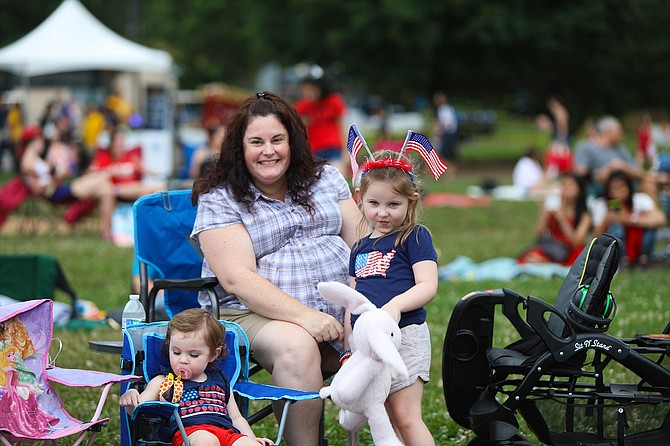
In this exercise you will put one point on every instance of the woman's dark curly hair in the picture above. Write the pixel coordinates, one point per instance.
(230, 169)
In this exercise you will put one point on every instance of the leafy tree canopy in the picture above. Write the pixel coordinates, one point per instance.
(602, 56)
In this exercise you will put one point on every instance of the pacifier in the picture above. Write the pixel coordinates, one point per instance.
(184, 373)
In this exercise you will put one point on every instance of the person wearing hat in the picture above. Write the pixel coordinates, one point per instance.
(44, 180)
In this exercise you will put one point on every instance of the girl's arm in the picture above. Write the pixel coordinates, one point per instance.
(601, 228)
(132, 397)
(577, 235)
(347, 318)
(351, 216)
(542, 220)
(653, 218)
(241, 423)
(423, 291)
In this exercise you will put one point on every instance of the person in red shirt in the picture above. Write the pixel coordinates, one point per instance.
(646, 149)
(563, 225)
(125, 168)
(322, 109)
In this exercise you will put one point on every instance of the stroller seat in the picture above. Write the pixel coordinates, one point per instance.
(555, 375)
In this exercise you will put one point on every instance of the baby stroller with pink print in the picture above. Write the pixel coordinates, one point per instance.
(565, 377)
(30, 409)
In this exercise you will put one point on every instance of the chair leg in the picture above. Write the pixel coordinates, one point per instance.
(323, 441)
(282, 423)
(180, 425)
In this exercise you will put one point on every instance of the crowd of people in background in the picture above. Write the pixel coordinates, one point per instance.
(80, 155)
(85, 158)
(605, 187)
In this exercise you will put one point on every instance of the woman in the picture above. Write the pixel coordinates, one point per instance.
(631, 216)
(273, 222)
(322, 109)
(562, 227)
(47, 180)
(125, 168)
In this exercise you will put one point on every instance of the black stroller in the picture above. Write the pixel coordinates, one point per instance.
(571, 383)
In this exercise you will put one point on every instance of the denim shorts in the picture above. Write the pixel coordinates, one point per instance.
(415, 351)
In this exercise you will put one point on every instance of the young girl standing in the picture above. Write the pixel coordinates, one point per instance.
(195, 339)
(395, 267)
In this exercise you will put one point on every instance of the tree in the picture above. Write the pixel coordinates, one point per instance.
(605, 56)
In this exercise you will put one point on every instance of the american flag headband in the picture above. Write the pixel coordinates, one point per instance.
(388, 162)
(415, 142)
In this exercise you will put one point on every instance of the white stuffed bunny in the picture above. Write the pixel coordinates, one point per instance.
(362, 384)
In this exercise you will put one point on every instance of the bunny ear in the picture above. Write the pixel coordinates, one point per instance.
(345, 296)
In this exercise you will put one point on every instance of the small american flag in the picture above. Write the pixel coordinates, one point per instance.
(354, 145)
(420, 144)
(373, 263)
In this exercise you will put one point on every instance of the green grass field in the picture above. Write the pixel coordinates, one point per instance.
(100, 272)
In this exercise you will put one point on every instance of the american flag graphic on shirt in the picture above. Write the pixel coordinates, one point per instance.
(373, 263)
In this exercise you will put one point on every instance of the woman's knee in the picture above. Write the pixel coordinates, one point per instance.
(287, 345)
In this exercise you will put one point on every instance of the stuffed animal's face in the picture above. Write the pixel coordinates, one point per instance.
(374, 329)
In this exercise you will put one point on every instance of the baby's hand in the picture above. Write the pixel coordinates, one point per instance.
(264, 441)
(130, 400)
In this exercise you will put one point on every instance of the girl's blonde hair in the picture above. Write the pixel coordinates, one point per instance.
(401, 181)
(195, 319)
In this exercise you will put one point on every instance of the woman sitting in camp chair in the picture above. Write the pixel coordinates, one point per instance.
(272, 222)
(125, 168)
(49, 181)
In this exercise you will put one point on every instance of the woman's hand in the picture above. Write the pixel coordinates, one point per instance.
(322, 326)
(618, 216)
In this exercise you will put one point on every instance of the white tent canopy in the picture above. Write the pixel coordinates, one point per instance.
(72, 39)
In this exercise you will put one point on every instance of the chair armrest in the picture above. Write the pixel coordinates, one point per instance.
(164, 409)
(256, 391)
(196, 284)
(200, 283)
(87, 378)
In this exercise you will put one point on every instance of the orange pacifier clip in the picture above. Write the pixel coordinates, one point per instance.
(171, 381)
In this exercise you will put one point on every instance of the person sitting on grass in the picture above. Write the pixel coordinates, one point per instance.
(632, 216)
(562, 227)
(195, 340)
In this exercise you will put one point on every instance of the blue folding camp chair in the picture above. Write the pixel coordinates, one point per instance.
(163, 224)
(143, 347)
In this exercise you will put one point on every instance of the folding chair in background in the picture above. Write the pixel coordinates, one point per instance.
(143, 351)
(34, 276)
(163, 224)
(30, 408)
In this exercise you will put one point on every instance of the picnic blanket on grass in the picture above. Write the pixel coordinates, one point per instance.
(500, 268)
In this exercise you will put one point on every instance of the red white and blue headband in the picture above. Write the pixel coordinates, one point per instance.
(388, 162)
(415, 142)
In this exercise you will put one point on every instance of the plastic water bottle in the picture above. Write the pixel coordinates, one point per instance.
(133, 312)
